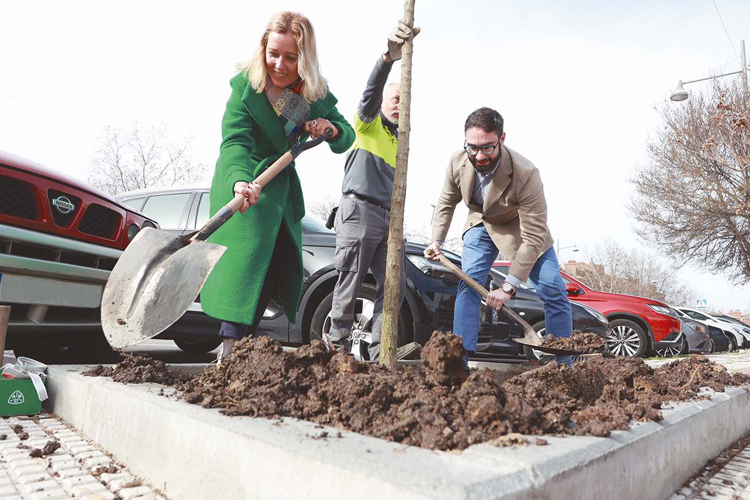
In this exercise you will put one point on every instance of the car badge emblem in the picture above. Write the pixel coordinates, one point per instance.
(63, 205)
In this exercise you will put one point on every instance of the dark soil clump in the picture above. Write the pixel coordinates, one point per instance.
(137, 369)
(584, 343)
(443, 360)
(49, 449)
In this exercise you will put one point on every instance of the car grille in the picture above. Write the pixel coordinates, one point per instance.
(100, 221)
(17, 199)
(62, 213)
(40, 252)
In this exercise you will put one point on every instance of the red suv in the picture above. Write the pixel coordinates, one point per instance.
(59, 239)
(638, 325)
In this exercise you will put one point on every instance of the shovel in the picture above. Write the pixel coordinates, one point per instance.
(159, 275)
(530, 337)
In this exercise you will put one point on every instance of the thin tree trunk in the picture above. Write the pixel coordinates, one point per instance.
(395, 260)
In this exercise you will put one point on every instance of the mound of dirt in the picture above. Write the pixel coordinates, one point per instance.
(584, 343)
(435, 406)
(137, 369)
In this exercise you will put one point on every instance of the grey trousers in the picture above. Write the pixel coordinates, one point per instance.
(361, 244)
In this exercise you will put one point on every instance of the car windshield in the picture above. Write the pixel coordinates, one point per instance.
(312, 224)
(695, 315)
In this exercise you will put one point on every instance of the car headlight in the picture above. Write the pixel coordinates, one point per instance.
(594, 313)
(132, 231)
(432, 268)
(667, 311)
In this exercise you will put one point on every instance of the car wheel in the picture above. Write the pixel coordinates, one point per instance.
(196, 346)
(534, 355)
(363, 312)
(626, 338)
(732, 343)
(671, 352)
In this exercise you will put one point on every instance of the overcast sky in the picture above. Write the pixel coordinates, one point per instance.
(576, 82)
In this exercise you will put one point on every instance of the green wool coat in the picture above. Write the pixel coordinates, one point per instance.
(252, 139)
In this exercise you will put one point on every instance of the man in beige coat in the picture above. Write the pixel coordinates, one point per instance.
(507, 213)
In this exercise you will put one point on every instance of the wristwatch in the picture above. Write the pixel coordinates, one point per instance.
(509, 289)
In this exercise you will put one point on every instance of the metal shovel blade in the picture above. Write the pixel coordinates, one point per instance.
(153, 283)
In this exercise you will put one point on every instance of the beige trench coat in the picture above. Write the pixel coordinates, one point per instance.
(514, 211)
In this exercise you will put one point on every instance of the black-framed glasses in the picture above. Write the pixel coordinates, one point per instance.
(487, 149)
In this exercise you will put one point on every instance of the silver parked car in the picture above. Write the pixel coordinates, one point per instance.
(695, 338)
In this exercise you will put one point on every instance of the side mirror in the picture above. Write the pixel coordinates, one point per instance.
(572, 289)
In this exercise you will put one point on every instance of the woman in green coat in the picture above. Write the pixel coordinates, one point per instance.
(278, 98)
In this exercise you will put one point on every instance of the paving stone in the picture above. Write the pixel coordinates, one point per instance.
(66, 473)
(49, 495)
(71, 482)
(90, 454)
(93, 462)
(49, 484)
(32, 478)
(29, 470)
(107, 478)
(66, 465)
(125, 483)
(62, 457)
(102, 495)
(87, 489)
(77, 450)
(8, 491)
(22, 462)
(66, 439)
(133, 493)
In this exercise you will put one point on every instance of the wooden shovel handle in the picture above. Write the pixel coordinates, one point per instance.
(483, 292)
(227, 211)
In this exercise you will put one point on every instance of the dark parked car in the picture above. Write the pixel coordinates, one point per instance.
(695, 339)
(719, 339)
(428, 305)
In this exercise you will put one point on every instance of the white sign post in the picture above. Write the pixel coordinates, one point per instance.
(701, 304)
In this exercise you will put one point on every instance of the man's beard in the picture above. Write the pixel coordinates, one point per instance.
(483, 169)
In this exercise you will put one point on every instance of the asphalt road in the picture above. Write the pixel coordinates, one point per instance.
(98, 352)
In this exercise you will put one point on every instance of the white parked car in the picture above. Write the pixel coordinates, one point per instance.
(744, 331)
(740, 338)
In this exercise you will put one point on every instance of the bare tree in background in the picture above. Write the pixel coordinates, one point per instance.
(614, 269)
(693, 197)
(143, 157)
(322, 207)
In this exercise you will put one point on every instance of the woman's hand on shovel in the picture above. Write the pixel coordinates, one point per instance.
(251, 192)
(318, 127)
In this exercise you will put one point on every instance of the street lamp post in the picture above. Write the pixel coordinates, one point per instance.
(680, 94)
(559, 249)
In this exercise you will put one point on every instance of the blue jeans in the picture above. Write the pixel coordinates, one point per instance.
(479, 253)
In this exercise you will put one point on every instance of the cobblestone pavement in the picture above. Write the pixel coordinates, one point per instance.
(78, 469)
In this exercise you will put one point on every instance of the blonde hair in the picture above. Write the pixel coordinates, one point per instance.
(301, 29)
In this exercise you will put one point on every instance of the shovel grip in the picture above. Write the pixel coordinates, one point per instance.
(510, 313)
